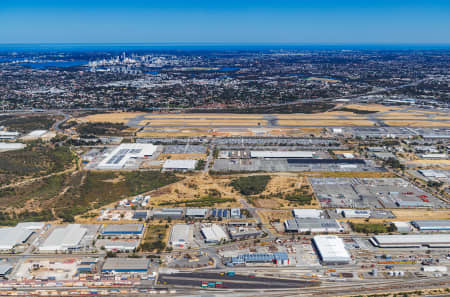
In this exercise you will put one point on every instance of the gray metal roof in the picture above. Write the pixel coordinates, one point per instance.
(5, 268)
(126, 264)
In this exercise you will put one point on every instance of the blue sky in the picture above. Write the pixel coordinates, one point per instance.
(215, 21)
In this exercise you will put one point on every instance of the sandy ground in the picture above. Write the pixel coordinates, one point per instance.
(373, 107)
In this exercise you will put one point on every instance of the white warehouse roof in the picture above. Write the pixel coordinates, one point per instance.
(181, 235)
(31, 225)
(331, 249)
(120, 155)
(214, 233)
(281, 154)
(180, 164)
(63, 239)
(412, 240)
(9, 237)
(307, 213)
(36, 133)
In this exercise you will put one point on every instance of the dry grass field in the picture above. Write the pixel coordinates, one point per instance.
(182, 157)
(204, 116)
(421, 214)
(359, 174)
(204, 122)
(113, 117)
(335, 122)
(193, 187)
(269, 215)
(418, 123)
(280, 185)
(424, 163)
(373, 107)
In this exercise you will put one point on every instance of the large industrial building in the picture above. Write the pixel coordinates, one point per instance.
(168, 213)
(213, 233)
(312, 225)
(120, 245)
(120, 155)
(281, 154)
(113, 265)
(279, 258)
(307, 213)
(331, 250)
(10, 237)
(432, 225)
(123, 230)
(64, 239)
(181, 235)
(197, 213)
(411, 241)
(355, 213)
(179, 165)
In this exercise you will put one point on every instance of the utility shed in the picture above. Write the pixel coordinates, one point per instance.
(411, 240)
(432, 225)
(126, 265)
(331, 250)
(10, 237)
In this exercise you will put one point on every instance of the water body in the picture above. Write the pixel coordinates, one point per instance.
(224, 69)
(45, 65)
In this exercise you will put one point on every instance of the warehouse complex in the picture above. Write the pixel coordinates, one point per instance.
(64, 239)
(331, 250)
(118, 158)
(411, 241)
